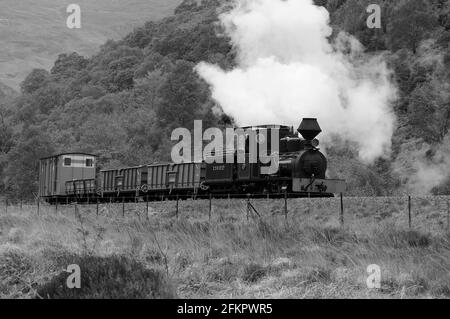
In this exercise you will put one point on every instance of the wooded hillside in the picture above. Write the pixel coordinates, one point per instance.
(123, 102)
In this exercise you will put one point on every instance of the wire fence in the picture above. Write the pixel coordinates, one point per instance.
(414, 212)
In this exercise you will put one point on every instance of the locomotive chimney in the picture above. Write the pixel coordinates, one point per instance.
(309, 129)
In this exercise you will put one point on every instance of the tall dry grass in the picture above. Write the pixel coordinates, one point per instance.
(309, 255)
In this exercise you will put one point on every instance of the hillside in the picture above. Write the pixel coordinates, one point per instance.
(124, 101)
(34, 32)
(6, 92)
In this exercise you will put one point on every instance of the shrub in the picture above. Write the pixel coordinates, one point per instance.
(319, 274)
(201, 227)
(442, 289)
(417, 239)
(223, 271)
(328, 235)
(114, 277)
(182, 261)
(253, 272)
(15, 266)
(152, 256)
(399, 238)
(412, 238)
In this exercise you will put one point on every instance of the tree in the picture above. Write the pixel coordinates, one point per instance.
(141, 37)
(103, 134)
(67, 65)
(429, 111)
(22, 170)
(410, 22)
(182, 97)
(6, 138)
(187, 6)
(34, 81)
(48, 97)
(148, 88)
(352, 17)
(446, 59)
(6, 142)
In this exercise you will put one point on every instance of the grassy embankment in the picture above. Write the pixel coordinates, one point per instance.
(307, 256)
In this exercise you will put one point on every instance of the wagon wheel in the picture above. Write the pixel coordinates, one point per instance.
(203, 187)
(99, 191)
(144, 188)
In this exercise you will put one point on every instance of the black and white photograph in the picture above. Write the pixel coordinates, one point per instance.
(225, 155)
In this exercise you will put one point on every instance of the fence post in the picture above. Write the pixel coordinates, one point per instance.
(448, 214)
(177, 206)
(285, 205)
(146, 210)
(56, 205)
(21, 204)
(6, 206)
(210, 206)
(248, 206)
(409, 211)
(342, 209)
(38, 200)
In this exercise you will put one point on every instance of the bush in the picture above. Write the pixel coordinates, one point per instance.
(442, 289)
(319, 274)
(405, 238)
(328, 235)
(391, 236)
(416, 239)
(114, 277)
(15, 267)
(153, 256)
(253, 273)
(223, 271)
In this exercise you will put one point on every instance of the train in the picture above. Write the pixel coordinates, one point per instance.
(302, 169)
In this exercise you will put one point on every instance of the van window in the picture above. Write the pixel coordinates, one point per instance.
(89, 162)
(67, 161)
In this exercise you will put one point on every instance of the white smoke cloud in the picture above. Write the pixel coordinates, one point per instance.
(421, 172)
(288, 69)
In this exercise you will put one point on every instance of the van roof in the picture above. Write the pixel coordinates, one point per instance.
(63, 154)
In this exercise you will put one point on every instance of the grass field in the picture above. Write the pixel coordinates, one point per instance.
(158, 255)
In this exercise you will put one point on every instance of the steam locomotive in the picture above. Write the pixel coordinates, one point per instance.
(301, 173)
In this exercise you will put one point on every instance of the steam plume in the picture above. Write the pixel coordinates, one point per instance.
(423, 167)
(288, 69)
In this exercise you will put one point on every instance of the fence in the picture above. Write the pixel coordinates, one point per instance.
(410, 211)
